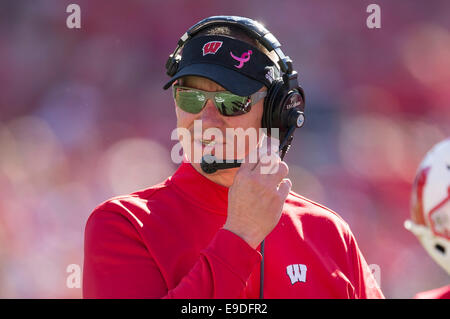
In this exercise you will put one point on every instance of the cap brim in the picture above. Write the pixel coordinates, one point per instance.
(231, 80)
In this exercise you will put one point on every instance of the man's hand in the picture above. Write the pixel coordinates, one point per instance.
(256, 198)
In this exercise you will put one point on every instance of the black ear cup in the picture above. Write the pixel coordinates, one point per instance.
(292, 109)
(283, 109)
(268, 119)
(172, 65)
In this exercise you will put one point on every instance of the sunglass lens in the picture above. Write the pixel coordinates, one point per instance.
(190, 101)
(230, 104)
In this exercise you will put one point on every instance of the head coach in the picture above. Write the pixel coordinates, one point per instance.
(221, 229)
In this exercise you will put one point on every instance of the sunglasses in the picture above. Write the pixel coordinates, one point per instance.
(229, 104)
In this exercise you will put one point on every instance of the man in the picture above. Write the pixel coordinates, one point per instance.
(430, 211)
(199, 235)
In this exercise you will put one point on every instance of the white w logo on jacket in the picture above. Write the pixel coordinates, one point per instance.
(296, 273)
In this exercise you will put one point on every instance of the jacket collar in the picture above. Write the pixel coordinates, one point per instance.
(199, 189)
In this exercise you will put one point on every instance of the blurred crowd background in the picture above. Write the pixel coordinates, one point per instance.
(83, 117)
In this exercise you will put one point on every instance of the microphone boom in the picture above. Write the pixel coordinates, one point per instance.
(210, 165)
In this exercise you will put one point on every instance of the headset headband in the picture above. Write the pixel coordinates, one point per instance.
(260, 33)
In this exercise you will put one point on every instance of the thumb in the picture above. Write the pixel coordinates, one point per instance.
(284, 187)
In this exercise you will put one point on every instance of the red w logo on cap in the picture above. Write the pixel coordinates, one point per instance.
(211, 47)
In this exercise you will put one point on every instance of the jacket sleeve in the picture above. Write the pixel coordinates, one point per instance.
(366, 283)
(117, 264)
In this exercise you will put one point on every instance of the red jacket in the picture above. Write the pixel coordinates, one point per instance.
(438, 293)
(167, 242)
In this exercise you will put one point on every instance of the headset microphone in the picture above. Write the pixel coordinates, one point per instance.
(210, 164)
(295, 118)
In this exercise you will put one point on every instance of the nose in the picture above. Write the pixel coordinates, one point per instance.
(210, 115)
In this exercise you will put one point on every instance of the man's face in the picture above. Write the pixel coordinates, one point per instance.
(211, 119)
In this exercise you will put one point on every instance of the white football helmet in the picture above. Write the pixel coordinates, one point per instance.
(430, 204)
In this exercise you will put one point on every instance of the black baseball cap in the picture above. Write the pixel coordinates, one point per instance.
(238, 66)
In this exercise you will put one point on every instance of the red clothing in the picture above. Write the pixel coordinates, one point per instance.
(167, 242)
(438, 293)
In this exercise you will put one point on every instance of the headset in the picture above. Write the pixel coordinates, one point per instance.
(284, 105)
